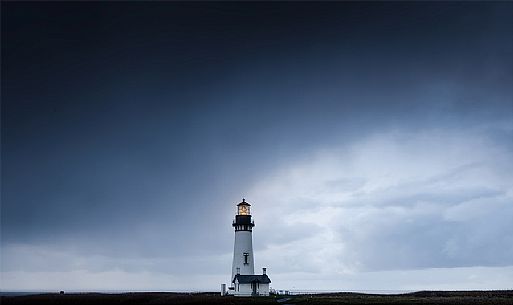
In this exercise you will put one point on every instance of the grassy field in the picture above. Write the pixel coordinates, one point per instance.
(155, 298)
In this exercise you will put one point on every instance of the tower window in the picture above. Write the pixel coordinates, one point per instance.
(246, 258)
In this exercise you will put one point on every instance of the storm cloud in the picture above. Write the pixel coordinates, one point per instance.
(374, 141)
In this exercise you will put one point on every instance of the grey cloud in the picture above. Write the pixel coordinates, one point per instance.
(449, 228)
(447, 207)
(402, 238)
(136, 165)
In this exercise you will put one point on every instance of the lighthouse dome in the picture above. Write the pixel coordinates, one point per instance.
(243, 202)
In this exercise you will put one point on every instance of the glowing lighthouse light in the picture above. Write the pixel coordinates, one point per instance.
(244, 208)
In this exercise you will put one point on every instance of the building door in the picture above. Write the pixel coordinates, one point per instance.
(254, 288)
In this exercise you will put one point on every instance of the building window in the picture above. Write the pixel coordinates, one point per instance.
(246, 258)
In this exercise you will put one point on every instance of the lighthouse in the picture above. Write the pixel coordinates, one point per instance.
(244, 281)
(243, 261)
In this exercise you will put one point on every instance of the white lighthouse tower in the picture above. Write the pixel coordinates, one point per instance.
(244, 282)
(243, 262)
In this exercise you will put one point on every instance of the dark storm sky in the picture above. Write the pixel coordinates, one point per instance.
(130, 130)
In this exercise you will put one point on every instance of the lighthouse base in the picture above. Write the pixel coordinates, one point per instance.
(251, 285)
(248, 290)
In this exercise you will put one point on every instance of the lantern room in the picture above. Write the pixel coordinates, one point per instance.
(242, 220)
(243, 208)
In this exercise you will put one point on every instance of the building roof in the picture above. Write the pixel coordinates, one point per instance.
(247, 279)
(243, 202)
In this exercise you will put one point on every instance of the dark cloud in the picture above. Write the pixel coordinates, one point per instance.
(129, 130)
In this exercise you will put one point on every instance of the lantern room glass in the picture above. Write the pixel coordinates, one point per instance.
(244, 210)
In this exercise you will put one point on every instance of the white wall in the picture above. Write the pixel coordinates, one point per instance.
(264, 289)
(243, 244)
(245, 290)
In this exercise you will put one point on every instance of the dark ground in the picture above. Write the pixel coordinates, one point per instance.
(156, 298)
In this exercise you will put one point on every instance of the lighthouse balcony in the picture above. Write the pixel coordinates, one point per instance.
(243, 223)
